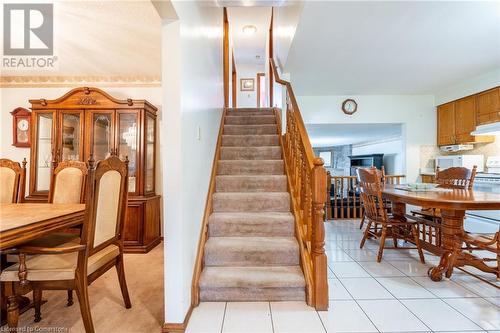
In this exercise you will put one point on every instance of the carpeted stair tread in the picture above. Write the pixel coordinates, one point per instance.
(250, 120)
(250, 140)
(245, 224)
(255, 183)
(250, 167)
(250, 129)
(251, 251)
(261, 277)
(251, 153)
(251, 202)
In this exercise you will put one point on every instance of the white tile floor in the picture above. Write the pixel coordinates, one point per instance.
(393, 296)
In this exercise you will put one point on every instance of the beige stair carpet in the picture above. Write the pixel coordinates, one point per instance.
(251, 253)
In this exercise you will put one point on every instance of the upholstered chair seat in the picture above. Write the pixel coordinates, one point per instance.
(59, 266)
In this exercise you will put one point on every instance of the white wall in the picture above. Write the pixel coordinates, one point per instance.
(468, 87)
(193, 99)
(12, 98)
(416, 113)
(247, 99)
(393, 150)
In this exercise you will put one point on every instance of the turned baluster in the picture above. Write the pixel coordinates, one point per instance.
(318, 236)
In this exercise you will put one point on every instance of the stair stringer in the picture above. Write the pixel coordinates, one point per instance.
(199, 262)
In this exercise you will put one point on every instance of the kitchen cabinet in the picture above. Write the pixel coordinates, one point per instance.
(85, 122)
(488, 106)
(446, 124)
(457, 119)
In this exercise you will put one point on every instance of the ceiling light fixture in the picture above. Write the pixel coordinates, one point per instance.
(249, 29)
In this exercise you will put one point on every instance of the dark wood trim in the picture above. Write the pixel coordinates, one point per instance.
(271, 56)
(178, 327)
(234, 85)
(258, 89)
(225, 60)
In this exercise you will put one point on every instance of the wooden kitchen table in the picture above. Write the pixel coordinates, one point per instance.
(20, 223)
(453, 204)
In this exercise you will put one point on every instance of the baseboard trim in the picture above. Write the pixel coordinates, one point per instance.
(178, 327)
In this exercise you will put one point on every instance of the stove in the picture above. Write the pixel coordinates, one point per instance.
(485, 221)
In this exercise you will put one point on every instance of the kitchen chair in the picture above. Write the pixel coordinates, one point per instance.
(380, 224)
(75, 265)
(381, 174)
(429, 219)
(13, 180)
(479, 242)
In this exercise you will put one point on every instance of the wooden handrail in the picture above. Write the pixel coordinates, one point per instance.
(307, 185)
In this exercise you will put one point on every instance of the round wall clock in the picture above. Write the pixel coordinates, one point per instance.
(349, 106)
(21, 127)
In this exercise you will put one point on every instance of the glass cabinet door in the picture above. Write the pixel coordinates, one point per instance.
(128, 145)
(149, 185)
(71, 135)
(102, 135)
(44, 135)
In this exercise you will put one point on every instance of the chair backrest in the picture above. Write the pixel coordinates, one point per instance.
(12, 180)
(68, 182)
(456, 177)
(370, 186)
(105, 204)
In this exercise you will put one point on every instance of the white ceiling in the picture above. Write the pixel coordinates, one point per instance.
(410, 47)
(327, 135)
(247, 47)
(110, 38)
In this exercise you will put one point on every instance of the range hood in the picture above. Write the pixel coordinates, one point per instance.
(455, 148)
(488, 129)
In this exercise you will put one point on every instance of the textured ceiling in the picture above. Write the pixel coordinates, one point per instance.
(104, 38)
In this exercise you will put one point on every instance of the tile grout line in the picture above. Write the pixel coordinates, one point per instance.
(223, 317)
(359, 306)
(271, 314)
(478, 324)
(321, 321)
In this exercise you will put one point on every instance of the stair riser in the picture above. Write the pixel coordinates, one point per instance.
(250, 129)
(250, 184)
(250, 153)
(249, 113)
(238, 203)
(250, 229)
(250, 140)
(251, 294)
(250, 168)
(225, 256)
(250, 120)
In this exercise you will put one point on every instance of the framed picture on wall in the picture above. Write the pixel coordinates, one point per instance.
(327, 157)
(247, 84)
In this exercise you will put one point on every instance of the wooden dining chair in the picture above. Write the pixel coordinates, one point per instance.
(429, 219)
(477, 242)
(13, 180)
(381, 225)
(68, 182)
(75, 265)
(381, 174)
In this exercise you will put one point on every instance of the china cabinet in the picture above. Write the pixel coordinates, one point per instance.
(88, 121)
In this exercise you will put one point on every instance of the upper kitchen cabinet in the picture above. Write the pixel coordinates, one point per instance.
(446, 124)
(456, 120)
(488, 106)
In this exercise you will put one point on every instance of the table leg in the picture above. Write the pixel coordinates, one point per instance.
(399, 210)
(452, 223)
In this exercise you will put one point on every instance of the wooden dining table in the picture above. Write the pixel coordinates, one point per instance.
(23, 222)
(452, 203)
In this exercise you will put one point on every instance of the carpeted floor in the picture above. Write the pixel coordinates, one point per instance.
(144, 273)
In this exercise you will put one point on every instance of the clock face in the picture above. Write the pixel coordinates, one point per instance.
(22, 124)
(349, 106)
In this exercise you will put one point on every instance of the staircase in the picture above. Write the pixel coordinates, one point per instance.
(251, 253)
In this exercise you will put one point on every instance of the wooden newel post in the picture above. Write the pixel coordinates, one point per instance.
(318, 236)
